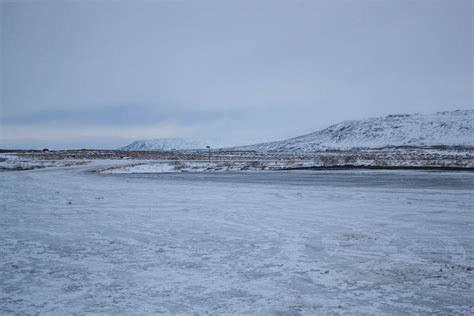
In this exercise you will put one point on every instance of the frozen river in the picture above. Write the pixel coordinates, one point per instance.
(283, 242)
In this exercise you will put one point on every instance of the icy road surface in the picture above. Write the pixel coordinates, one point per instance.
(286, 243)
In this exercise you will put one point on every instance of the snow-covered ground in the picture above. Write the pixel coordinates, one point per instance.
(203, 166)
(286, 242)
(10, 162)
(221, 160)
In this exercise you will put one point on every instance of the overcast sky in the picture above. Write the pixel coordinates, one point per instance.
(104, 73)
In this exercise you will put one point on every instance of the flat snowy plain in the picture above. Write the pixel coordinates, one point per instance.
(281, 242)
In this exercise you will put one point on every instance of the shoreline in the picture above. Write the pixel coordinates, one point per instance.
(355, 167)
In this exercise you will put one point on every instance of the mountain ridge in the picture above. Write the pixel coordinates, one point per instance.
(165, 144)
(448, 128)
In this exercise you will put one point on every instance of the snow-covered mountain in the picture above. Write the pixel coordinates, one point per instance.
(442, 128)
(166, 144)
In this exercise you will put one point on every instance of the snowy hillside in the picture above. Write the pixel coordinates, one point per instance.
(442, 128)
(166, 144)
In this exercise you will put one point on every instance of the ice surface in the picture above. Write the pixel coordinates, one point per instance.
(286, 242)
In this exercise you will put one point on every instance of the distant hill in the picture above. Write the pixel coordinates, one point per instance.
(165, 144)
(442, 128)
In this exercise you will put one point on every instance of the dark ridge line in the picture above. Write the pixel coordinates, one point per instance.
(351, 167)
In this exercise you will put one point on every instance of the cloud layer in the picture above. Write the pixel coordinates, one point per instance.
(238, 71)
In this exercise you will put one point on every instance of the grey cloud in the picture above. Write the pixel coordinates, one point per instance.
(258, 68)
(125, 115)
